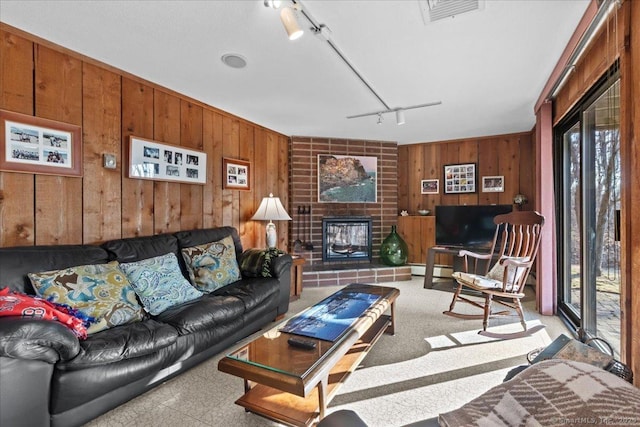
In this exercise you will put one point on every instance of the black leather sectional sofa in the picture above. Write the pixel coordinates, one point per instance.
(50, 378)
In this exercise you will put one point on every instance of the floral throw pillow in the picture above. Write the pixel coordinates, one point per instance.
(101, 291)
(159, 283)
(212, 265)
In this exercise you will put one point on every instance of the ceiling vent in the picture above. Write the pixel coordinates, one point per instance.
(436, 10)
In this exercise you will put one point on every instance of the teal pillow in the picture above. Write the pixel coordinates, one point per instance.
(159, 283)
(212, 265)
(99, 291)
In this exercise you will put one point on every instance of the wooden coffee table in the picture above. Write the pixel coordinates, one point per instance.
(308, 378)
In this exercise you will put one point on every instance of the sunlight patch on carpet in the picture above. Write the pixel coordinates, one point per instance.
(471, 354)
(472, 337)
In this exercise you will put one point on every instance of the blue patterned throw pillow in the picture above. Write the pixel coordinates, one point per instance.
(212, 265)
(159, 283)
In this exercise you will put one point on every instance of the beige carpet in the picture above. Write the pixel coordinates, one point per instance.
(434, 363)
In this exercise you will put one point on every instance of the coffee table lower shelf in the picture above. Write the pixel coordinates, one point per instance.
(300, 411)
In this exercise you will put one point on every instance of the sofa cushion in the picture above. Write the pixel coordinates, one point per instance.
(138, 248)
(212, 265)
(159, 283)
(253, 291)
(101, 291)
(124, 342)
(208, 312)
(550, 393)
(515, 274)
(17, 262)
(190, 238)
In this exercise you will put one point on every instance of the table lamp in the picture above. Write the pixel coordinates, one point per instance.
(271, 209)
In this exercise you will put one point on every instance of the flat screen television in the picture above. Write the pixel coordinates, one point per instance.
(468, 226)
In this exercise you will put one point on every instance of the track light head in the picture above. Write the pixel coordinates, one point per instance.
(379, 118)
(400, 120)
(288, 18)
(274, 4)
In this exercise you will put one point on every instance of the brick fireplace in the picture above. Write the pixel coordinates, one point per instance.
(304, 193)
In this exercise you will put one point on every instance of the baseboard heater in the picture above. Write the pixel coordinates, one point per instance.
(439, 271)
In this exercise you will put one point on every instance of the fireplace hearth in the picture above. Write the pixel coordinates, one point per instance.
(346, 239)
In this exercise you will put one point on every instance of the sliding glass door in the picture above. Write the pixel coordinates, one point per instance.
(587, 145)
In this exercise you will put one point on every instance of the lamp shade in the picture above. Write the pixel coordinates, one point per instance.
(271, 209)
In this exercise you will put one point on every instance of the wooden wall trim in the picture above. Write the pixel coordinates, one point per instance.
(630, 197)
(562, 63)
(475, 138)
(599, 56)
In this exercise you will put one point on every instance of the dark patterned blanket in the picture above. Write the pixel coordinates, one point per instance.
(553, 393)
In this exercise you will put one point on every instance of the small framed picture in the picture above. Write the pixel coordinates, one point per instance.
(430, 186)
(34, 145)
(236, 174)
(460, 178)
(493, 184)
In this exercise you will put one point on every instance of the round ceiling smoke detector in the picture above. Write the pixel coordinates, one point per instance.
(234, 60)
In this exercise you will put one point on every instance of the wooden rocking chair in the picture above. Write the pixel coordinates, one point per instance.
(515, 246)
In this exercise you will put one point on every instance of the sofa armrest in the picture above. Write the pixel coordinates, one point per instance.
(281, 270)
(25, 387)
(251, 262)
(281, 265)
(35, 339)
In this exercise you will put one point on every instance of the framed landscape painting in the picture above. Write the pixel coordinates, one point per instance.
(347, 179)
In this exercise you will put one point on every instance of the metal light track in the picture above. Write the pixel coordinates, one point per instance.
(394, 110)
(317, 28)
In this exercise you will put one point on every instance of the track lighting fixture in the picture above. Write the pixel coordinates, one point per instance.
(400, 119)
(288, 18)
(288, 15)
(274, 4)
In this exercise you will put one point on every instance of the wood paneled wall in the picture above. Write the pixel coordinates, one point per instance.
(45, 80)
(511, 156)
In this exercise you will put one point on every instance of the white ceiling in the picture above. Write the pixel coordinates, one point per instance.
(487, 67)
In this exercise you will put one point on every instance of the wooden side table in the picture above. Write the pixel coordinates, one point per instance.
(296, 277)
(431, 259)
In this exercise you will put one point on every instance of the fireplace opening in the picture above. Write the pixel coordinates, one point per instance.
(346, 239)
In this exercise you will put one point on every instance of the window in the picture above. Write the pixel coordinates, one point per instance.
(588, 201)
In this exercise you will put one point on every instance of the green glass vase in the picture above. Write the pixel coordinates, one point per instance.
(394, 250)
